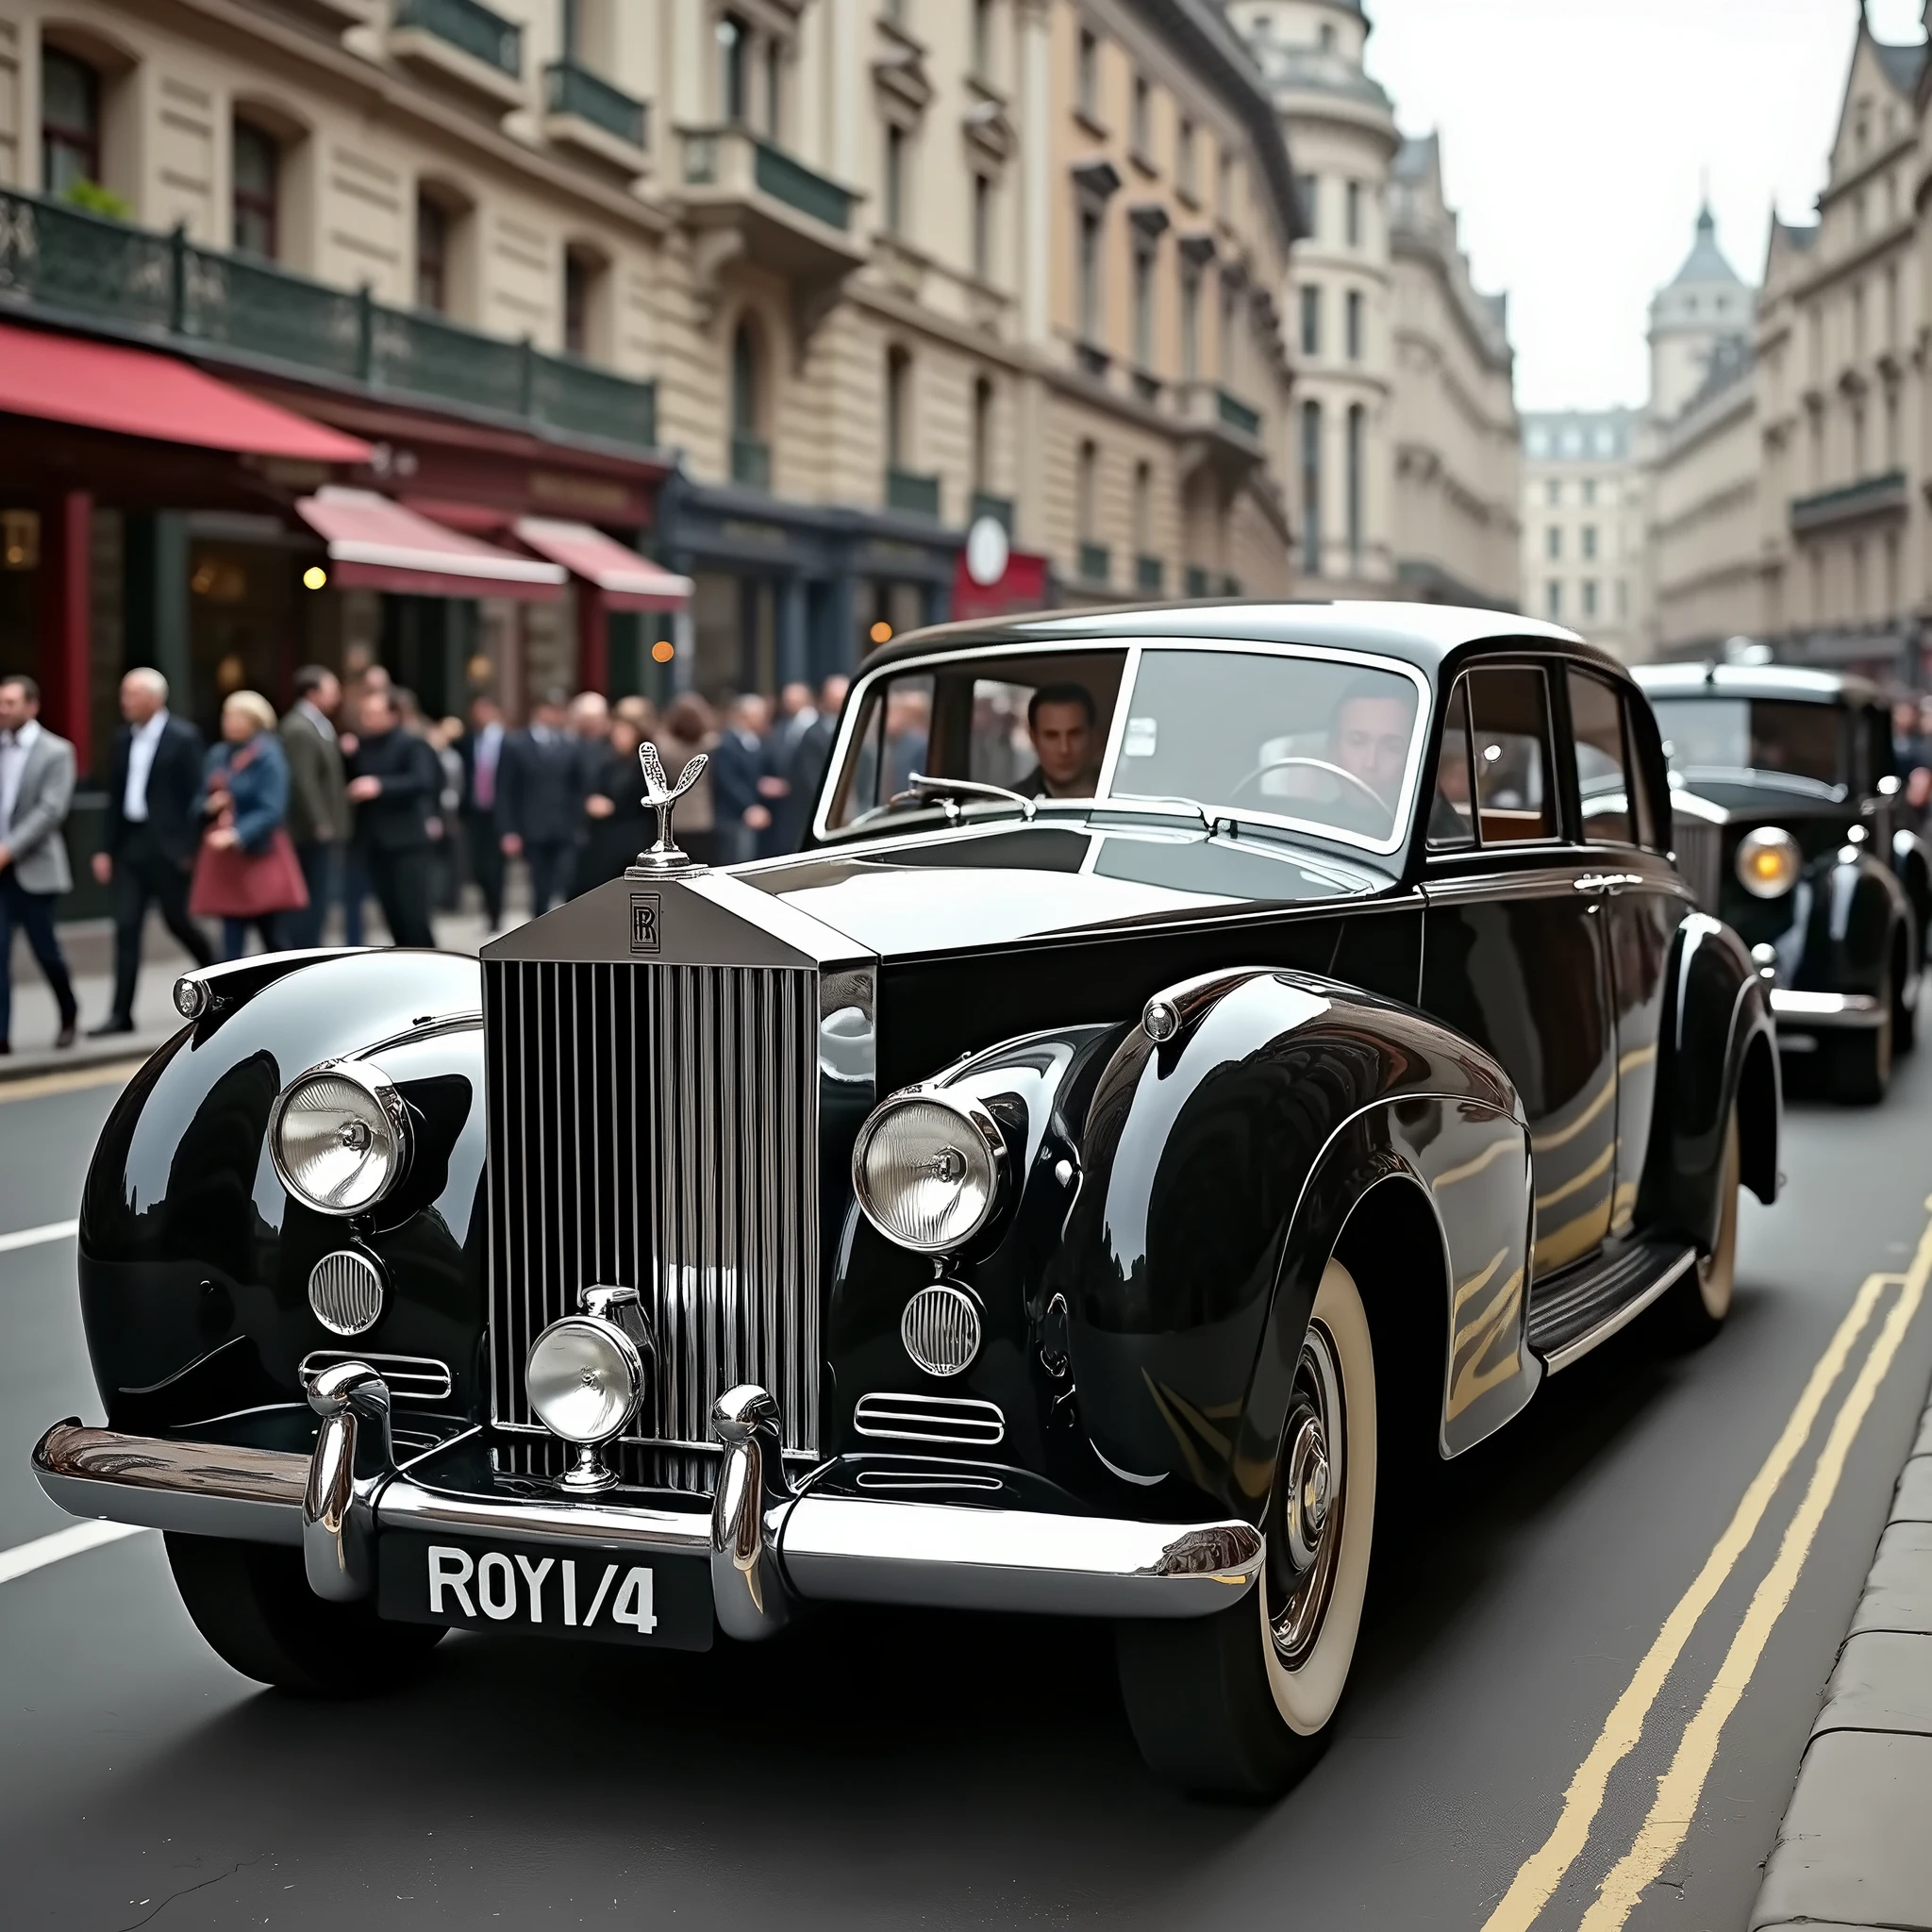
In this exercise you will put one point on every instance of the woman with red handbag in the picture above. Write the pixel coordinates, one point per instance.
(248, 870)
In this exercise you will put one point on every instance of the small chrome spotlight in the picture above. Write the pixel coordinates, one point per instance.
(586, 1376)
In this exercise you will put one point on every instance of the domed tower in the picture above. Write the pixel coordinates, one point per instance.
(1707, 303)
(1341, 137)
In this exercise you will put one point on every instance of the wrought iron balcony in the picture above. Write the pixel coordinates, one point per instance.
(1096, 563)
(751, 463)
(469, 26)
(1869, 496)
(1226, 432)
(162, 289)
(1237, 414)
(572, 93)
(917, 495)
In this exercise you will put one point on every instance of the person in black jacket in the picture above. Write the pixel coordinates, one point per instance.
(393, 785)
(151, 833)
(540, 801)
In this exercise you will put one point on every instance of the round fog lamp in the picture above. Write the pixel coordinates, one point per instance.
(339, 1136)
(585, 1377)
(1768, 862)
(927, 1170)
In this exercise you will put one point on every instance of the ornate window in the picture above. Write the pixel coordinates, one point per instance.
(255, 166)
(69, 123)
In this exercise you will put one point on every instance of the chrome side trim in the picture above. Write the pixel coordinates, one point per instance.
(1619, 1318)
(958, 1556)
(205, 1488)
(1826, 1009)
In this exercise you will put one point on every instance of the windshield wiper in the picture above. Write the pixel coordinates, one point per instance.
(1193, 805)
(922, 784)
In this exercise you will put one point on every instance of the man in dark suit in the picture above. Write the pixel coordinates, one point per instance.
(481, 751)
(813, 751)
(151, 835)
(35, 789)
(540, 801)
(318, 798)
(394, 780)
(740, 766)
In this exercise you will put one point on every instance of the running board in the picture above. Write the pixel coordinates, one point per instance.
(1574, 1311)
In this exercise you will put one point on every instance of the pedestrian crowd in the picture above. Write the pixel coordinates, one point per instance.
(353, 794)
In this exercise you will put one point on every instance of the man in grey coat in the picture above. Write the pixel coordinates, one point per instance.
(36, 788)
(318, 798)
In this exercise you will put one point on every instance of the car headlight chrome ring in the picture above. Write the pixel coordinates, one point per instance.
(585, 1377)
(929, 1168)
(339, 1136)
(1768, 862)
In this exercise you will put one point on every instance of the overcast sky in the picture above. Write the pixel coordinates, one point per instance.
(1574, 133)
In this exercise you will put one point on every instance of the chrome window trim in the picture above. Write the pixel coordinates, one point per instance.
(1134, 655)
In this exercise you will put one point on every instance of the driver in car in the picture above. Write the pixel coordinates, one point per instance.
(1368, 734)
(1061, 719)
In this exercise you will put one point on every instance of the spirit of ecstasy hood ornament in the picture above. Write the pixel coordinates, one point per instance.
(662, 797)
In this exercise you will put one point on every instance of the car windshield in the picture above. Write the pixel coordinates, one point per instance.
(1325, 742)
(1732, 734)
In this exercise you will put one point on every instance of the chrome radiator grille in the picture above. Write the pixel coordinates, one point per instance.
(656, 1127)
(1700, 853)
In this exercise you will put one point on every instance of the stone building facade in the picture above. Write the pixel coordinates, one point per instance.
(819, 280)
(1406, 447)
(1583, 523)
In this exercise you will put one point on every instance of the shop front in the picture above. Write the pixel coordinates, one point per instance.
(785, 592)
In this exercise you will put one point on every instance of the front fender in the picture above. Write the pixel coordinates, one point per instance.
(1857, 906)
(1912, 861)
(194, 1261)
(1220, 1169)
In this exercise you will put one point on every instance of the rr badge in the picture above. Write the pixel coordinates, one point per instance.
(646, 929)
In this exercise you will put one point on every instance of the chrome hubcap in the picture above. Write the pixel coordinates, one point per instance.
(1305, 1509)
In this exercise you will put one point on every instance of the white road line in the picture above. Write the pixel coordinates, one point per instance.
(33, 1237)
(26, 1557)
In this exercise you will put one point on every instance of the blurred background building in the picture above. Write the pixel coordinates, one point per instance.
(1406, 448)
(1583, 523)
(412, 329)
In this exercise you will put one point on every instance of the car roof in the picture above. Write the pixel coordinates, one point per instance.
(1419, 634)
(1757, 681)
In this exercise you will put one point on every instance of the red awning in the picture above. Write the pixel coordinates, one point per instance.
(628, 581)
(379, 545)
(93, 385)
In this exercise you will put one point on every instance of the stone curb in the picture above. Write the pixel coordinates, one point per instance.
(1853, 1852)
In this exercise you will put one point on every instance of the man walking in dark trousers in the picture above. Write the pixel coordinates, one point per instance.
(540, 801)
(393, 786)
(36, 788)
(151, 833)
(481, 750)
(318, 798)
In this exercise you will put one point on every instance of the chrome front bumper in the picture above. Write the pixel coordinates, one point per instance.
(767, 1548)
(1802, 1012)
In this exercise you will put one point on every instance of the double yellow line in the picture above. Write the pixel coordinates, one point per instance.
(1681, 1786)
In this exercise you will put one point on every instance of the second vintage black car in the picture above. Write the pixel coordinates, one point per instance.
(1789, 828)
(1206, 1060)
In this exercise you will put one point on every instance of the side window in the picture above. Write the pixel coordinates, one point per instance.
(1452, 817)
(888, 745)
(1602, 762)
(1509, 735)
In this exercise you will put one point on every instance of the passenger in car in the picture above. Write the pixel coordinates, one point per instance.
(1060, 722)
(1368, 734)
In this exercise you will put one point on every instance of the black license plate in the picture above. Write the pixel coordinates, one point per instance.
(606, 1595)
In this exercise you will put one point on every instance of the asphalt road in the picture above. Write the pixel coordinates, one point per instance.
(898, 1770)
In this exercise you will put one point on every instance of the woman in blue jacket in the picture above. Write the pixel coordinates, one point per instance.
(247, 873)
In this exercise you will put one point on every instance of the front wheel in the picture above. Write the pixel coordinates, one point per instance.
(1241, 1701)
(254, 1607)
(1700, 1299)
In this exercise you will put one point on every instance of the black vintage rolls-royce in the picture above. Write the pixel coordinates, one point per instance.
(1789, 829)
(1203, 1059)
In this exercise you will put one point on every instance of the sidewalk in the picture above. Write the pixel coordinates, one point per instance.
(1855, 1850)
(90, 948)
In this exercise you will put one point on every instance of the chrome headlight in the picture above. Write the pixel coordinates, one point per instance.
(1768, 862)
(340, 1137)
(928, 1168)
(585, 1377)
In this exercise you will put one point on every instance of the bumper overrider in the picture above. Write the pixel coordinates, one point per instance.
(765, 1544)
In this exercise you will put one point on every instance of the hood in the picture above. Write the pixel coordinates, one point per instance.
(1762, 795)
(972, 888)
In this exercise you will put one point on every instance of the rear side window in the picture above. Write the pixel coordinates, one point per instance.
(1604, 761)
(1509, 737)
